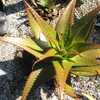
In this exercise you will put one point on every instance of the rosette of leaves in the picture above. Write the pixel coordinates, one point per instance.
(66, 51)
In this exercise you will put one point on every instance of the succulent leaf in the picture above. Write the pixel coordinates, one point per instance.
(86, 71)
(69, 91)
(87, 58)
(65, 22)
(81, 47)
(45, 75)
(60, 78)
(35, 28)
(60, 74)
(48, 54)
(37, 77)
(67, 66)
(30, 82)
(26, 43)
(48, 31)
(82, 29)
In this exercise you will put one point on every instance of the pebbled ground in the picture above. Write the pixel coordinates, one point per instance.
(11, 67)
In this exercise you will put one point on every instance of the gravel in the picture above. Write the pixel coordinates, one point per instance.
(11, 70)
(11, 67)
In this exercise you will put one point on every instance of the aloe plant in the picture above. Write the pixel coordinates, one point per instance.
(67, 50)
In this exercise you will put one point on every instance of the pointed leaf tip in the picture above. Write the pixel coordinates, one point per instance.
(47, 30)
(65, 22)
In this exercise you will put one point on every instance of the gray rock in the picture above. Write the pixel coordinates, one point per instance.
(11, 67)
(3, 23)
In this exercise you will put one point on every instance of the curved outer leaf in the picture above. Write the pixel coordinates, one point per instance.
(46, 74)
(65, 22)
(60, 78)
(38, 77)
(87, 58)
(26, 44)
(67, 66)
(82, 29)
(69, 91)
(35, 28)
(48, 54)
(30, 82)
(86, 71)
(61, 74)
(48, 31)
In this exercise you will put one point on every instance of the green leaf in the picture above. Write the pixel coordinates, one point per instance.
(65, 22)
(35, 28)
(30, 82)
(81, 47)
(87, 58)
(81, 30)
(67, 66)
(69, 91)
(48, 54)
(60, 74)
(25, 43)
(60, 78)
(48, 31)
(86, 71)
